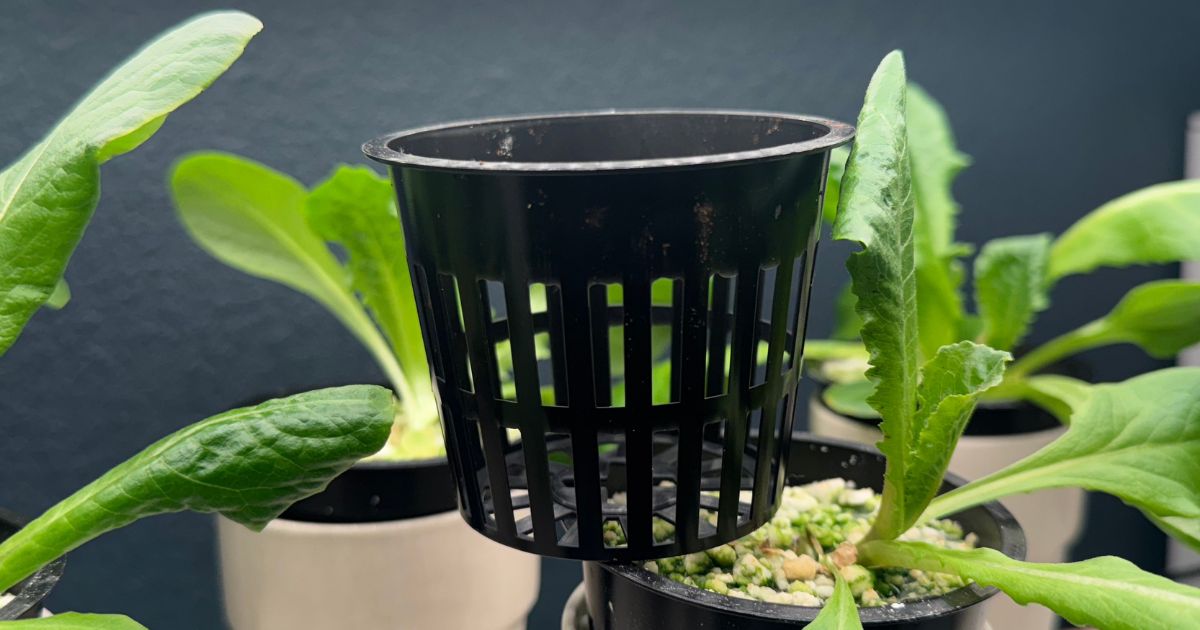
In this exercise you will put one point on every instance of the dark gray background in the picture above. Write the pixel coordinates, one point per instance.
(1063, 105)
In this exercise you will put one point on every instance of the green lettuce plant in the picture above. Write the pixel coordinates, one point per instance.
(1138, 440)
(268, 225)
(247, 464)
(1014, 275)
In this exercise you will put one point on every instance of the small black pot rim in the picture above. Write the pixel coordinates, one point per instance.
(1012, 545)
(381, 148)
(34, 588)
(379, 491)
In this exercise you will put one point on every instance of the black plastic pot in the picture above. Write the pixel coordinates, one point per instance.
(32, 591)
(380, 491)
(623, 596)
(377, 490)
(723, 206)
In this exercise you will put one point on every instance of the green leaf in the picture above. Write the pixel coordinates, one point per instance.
(951, 383)
(877, 212)
(252, 218)
(939, 304)
(850, 399)
(48, 196)
(60, 296)
(833, 186)
(1108, 592)
(1161, 317)
(936, 162)
(840, 612)
(356, 209)
(1138, 440)
(74, 621)
(247, 464)
(847, 323)
(1153, 225)
(1060, 395)
(1010, 287)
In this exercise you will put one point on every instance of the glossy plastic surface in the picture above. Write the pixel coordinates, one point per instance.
(641, 278)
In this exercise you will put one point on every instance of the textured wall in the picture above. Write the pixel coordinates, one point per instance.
(1062, 105)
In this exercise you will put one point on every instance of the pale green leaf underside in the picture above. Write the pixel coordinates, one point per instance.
(252, 218)
(48, 196)
(840, 612)
(1153, 225)
(1108, 592)
(1010, 287)
(1138, 440)
(951, 383)
(936, 162)
(877, 211)
(248, 464)
(74, 621)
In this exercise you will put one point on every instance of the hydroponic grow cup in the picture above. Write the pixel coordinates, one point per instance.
(586, 213)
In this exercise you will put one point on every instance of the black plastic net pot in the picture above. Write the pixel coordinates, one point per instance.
(30, 594)
(564, 250)
(627, 597)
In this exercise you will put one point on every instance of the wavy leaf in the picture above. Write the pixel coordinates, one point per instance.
(936, 162)
(247, 464)
(1010, 287)
(1138, 440)
(951, 383)
(877, 212)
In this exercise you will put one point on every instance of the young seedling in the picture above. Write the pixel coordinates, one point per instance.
(247, 464)
(1138, 440)
(1014, 275)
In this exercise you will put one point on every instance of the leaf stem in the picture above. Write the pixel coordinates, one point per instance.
(1086, 337)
